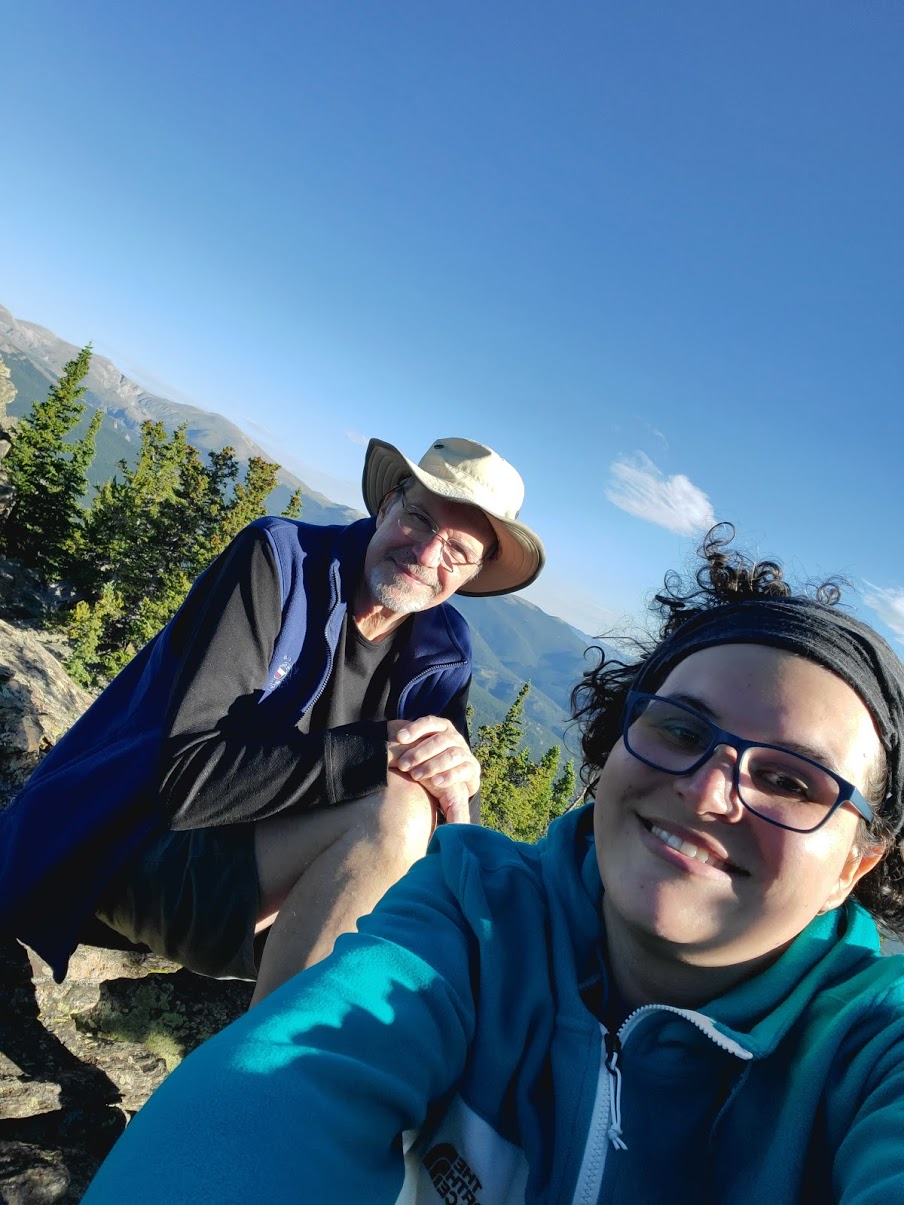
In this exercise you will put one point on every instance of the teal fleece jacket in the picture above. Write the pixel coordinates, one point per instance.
(450, 1051)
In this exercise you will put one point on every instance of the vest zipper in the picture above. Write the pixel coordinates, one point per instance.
(425, 673)
(326, 640)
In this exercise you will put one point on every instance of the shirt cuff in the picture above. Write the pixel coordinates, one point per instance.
(355, 760)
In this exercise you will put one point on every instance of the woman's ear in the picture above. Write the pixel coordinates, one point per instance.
(859, 862)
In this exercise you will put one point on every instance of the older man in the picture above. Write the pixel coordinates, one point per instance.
(309, 667)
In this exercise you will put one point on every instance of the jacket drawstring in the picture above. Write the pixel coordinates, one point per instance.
(613, 1049)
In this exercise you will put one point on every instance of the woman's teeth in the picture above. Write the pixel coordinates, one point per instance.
(684, 847)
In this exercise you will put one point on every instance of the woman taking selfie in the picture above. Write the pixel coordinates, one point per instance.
(676, 996)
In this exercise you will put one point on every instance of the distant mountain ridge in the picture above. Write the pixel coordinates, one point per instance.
(36, 356)
(514, 640)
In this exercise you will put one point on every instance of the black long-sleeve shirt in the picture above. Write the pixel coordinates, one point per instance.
(217, 766)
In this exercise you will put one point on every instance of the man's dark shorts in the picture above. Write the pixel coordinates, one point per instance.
(191, 897)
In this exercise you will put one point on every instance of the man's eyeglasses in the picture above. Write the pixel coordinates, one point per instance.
(416, 525)
(775, 784)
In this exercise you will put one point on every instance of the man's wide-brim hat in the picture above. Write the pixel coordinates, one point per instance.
(460, 470)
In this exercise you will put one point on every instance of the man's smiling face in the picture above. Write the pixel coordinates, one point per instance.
(405, 573)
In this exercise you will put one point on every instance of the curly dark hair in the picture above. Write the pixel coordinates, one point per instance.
(727, 575)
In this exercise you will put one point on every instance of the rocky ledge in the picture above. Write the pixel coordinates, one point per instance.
(78, 1059)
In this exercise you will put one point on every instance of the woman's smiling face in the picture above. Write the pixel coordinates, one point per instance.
(759, 884)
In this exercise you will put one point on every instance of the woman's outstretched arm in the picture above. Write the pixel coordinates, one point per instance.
(307, 1096)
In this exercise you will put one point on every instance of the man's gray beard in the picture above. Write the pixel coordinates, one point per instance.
(397, 596)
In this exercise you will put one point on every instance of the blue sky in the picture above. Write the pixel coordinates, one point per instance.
(652, 253)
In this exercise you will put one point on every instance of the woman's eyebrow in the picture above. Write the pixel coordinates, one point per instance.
(692, 701)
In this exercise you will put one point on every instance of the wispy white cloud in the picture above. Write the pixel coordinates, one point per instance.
(356, 437)
(888, 605)
(640, 487)
(658, 435)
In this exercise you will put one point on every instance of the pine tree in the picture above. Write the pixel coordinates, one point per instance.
(148, 535)
(519, 796)
(49, 476)
(89, 663)
(293, 506)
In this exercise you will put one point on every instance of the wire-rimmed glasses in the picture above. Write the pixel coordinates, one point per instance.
(417, 525)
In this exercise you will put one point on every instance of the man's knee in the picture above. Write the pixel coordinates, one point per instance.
(401, 819)
(390, 828)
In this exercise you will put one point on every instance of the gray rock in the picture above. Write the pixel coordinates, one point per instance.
(31, 1176)
(78, 1059)
(38, 703)
(7, 388)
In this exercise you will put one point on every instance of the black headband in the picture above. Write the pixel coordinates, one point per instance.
(830, 637)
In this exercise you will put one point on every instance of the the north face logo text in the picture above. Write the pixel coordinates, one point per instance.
(452, 1177)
